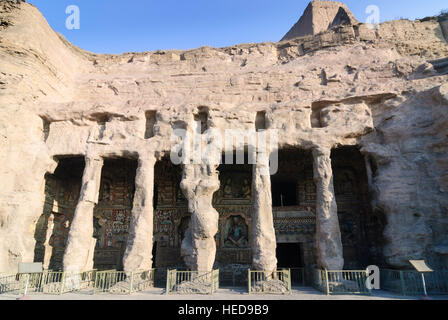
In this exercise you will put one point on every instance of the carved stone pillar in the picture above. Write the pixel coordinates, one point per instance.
(328, 234)
(198, 184)
(138, 254)
(80, 248)
(47, 247)
(263, 242)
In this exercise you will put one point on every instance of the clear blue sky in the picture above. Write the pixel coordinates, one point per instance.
(117, 26)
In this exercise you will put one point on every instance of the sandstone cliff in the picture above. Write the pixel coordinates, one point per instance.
(384, 91)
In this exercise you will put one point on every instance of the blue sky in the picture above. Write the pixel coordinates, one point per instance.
(111, 26)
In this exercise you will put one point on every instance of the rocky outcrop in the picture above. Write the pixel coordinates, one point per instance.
(320, 16)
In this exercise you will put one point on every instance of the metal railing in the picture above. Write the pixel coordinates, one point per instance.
(341, 281)
(121, 282)
(409, 282)
(188, 282)
(11, 283)
(47, 282)
(268, 282)
(233, 278)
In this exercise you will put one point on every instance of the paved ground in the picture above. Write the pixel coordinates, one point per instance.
(298, 293)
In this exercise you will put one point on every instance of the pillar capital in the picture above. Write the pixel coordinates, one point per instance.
(320, 151)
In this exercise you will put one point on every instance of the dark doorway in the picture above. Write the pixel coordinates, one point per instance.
(154, 254)
(283, 193)
(289, 255)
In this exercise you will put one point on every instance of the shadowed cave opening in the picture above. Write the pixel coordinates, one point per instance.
(361, 227)
(112, 214)
(62, 190)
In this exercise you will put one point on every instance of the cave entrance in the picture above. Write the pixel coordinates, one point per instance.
(112, 214)
(170, 209)
(284, 193)
(361, 227)
(289, 255)
(62, 190)
(293, 185)
(233, 201)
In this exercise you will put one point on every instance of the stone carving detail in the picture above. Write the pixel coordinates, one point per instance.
(235, 232)
(235, 188)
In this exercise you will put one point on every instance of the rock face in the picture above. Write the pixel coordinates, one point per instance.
(320, 16)
(349, 86)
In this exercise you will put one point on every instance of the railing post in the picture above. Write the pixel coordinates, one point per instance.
(61, 290)
(248, 279)
(327, 285)
(403, 285)
(168, 280)
(212, 284)
(131, 282)
(95, 283)
(289, 280)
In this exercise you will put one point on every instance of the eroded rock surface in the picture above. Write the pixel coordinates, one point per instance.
(198, 247)
(346, 86)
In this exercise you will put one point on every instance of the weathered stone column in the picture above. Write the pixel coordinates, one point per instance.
(138, 254)
(80, 248)
(198, 184)
(263, 242)
(47, 247)
(328, 234)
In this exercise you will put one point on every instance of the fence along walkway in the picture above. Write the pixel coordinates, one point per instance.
(268, 282)
(188, 282)
(55, 282)
(341, 281)
(48, 282)
(121, 282)
(409, 282)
